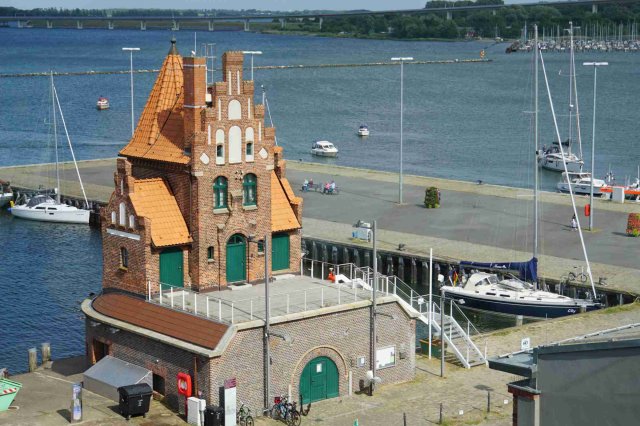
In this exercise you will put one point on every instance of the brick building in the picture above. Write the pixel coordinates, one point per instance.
(198, 190)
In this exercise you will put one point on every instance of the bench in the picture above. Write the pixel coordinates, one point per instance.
(315, 187)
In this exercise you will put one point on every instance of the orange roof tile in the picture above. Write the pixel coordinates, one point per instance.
(160, 133)
(282, 216)
(152, 199)
(287, 190)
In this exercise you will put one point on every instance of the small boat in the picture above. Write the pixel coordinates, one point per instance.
(46, 209)
(581, 184)
(487, 292)
(363, 130)
(324, 149)
(6, 194)
(103, 103)
(551, 158)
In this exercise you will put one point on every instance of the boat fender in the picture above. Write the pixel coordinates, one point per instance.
(587, 210)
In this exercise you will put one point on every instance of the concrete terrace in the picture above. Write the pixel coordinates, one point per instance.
(475, 222)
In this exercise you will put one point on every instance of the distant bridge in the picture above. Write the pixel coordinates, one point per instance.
(23, 21)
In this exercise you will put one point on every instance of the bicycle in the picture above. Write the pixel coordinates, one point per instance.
(577, 276)
(293, 417)
(243, 417)
(286, 411)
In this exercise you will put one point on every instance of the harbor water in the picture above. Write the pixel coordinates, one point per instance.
(461, 121)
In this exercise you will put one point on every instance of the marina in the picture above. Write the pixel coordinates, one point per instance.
(228, 269)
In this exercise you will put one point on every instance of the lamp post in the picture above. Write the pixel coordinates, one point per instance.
(402, 60)
(595, 66)
(131, 50)
(252, 52)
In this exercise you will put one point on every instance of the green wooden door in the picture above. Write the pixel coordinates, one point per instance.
(171, 267)
(279, 252)
(319, 380)
(236, 259)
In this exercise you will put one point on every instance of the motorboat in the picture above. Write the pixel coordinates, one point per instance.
(363, 130)
(551, 158)
(486, 291)
(581, 184)
(103, 103)
(324, 149)
(45, 209)
(6, 194)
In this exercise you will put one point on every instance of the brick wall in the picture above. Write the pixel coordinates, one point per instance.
(163, 360)
(342, 337)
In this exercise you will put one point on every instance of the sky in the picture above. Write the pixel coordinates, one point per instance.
(283, 5)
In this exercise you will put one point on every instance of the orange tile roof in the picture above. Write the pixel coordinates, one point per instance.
(287, 190)
(160, 133)
(282, 216)
(152, 199)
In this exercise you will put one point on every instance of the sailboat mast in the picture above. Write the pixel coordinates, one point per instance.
(55, 138)
(536, 143)
(575, 95)
(570, 85)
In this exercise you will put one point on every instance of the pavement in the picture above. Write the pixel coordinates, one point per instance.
(45, 399)
(475, 222)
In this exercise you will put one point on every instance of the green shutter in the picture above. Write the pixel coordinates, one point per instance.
(319, 380)
(171, 267)
(280, 252)
(236, 259)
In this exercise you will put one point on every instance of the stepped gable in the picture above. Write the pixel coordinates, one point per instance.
(152, 199)
(282, 216)
(160, 131)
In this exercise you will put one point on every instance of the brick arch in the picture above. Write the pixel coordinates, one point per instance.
(330, 352)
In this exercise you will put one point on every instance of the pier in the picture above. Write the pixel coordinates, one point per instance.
(479, 222)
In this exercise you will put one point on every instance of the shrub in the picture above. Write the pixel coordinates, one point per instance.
(633, 225)
(432, 198)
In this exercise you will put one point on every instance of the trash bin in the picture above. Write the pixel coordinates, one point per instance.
(214, 416)
(134, 400)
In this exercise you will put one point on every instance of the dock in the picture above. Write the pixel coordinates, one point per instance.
(479, 222)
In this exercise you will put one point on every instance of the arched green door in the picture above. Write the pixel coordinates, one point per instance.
(236, 258)
(171, 267)
(319, 380)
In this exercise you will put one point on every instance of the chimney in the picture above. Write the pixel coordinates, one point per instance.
(232, 72)
(195, 90)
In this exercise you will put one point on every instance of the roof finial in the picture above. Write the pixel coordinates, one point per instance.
(174, 49)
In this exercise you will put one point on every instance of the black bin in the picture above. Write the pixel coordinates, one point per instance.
(134, 400)
(214, 416)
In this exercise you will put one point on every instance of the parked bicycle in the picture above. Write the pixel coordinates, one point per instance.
(286, 411)
(243, 416)
(576, 275)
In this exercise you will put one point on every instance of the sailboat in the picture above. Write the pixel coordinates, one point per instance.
(43, 207)
(514, 295)
(558, 156)
(6, 194)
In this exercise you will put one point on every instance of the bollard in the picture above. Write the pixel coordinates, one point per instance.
(519, 320)
(488, 401)
(441, 416)
(404, 419)
(33, 360)
(46, 352)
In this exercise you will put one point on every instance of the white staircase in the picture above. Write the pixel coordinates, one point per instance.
(457, 334)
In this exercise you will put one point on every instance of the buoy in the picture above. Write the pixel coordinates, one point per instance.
(587, 210)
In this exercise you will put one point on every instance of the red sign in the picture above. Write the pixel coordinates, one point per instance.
(230, 383)
(184, 384)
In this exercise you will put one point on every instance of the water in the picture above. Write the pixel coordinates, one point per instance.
(461, 121)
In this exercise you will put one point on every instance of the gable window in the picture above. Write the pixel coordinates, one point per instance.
(220, 192)
(124, 258)
(113, 217)
(210, 253)
(248, 137)
(132, 221)
(219, 146)
(235, 145)
(123, 215)
(235, 110)
(249, 190)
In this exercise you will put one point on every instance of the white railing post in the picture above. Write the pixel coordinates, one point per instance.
(251, 313)
(183, 299)
(395, 287)
(355, 294)
(322, 297)
(312, 262)
(232, 313)
(287, 303)
(219, 309)
(207, 306)
(195, 303)
(339, 294)
(468, 342)
(149, 289)
(337, 269)
(322, 271)
(301, 266)
(160, 293)
(305, 300)
(171, 296)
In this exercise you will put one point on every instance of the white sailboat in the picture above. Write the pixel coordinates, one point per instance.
(513, 295)
(6, 194)
(43, 207)
(558, 157)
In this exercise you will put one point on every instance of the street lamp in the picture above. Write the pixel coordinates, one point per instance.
(252, 52)
(595, 66)
(131, 50)
(402, 60)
